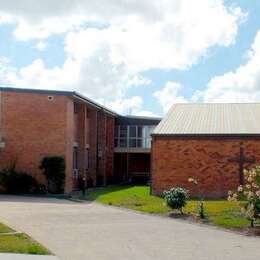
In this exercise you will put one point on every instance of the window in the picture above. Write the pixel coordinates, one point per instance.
(132, 142)
(132, 132)
(87, 159)
(133, 136)
(75, 162)
(75, 157)
(76, 108)
(123, 132)
(87, 113)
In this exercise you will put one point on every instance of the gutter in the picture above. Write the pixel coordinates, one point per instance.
(206, 136)
(94, 104)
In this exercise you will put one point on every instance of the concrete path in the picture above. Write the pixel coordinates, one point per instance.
(26, 257)
(81, 231)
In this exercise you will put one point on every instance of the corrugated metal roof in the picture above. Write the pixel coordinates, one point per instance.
(211, 119)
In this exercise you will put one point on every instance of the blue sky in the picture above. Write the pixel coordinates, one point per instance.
(132, 57)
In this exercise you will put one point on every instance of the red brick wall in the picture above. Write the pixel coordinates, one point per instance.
(110, 127)
(97, 133)
(175, 160)
(105, 147)
(34, 127)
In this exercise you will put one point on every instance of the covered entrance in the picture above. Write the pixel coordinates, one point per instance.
(134, 167)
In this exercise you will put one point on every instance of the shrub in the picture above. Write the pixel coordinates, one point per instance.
(54, 170)
(250, 192)
(176, 198)
(15, 182)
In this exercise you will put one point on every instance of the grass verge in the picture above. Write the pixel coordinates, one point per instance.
(19, 243)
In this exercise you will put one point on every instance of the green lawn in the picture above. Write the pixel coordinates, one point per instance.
(5, 229)
(19, 243)
(219, 212)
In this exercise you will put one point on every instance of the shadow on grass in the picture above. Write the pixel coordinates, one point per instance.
(93, 194)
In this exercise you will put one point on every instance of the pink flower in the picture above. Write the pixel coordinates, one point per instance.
(245, 193)
(250, 195)
(234, 197)
(190, 179)
(255, 185)
(240, 188)
(249, 179)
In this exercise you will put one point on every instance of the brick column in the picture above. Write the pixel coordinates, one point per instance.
(82, 140)
(101, 147)
(92, 129)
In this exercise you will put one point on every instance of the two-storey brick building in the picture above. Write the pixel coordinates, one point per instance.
(39, 123)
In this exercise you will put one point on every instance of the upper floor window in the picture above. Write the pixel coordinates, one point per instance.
(76, 108)
(133, 136)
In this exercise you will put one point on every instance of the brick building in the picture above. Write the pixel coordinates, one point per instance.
(39, 123)
(210, 142)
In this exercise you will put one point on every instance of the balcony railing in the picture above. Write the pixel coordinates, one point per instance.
(133, 136)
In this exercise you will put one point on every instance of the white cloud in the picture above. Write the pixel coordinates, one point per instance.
(41, 46)
(145, 113)
(126, 106)
(170, 41)
(138, 80)
(108, 44)
(143, 34)
(169, 95)
(240, 85)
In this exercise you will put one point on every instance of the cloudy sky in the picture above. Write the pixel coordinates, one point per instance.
(134, 56)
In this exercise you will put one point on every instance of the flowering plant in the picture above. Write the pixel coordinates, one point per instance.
(201, 209)
(250, 192)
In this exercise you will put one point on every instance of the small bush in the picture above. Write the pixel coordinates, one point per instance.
(54, 170)
(176, 198)
(15, 182)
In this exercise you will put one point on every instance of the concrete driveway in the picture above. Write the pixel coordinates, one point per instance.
(89, 231)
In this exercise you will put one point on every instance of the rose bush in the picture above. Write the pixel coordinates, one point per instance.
(201, 209)
(250, 192)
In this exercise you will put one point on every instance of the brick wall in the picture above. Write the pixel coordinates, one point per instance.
(33, 127)
(92, 171)
(110, 127)
(175, 160)
(97, 133)
(105, 148)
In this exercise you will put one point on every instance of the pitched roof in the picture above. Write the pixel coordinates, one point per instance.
(211, 119)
